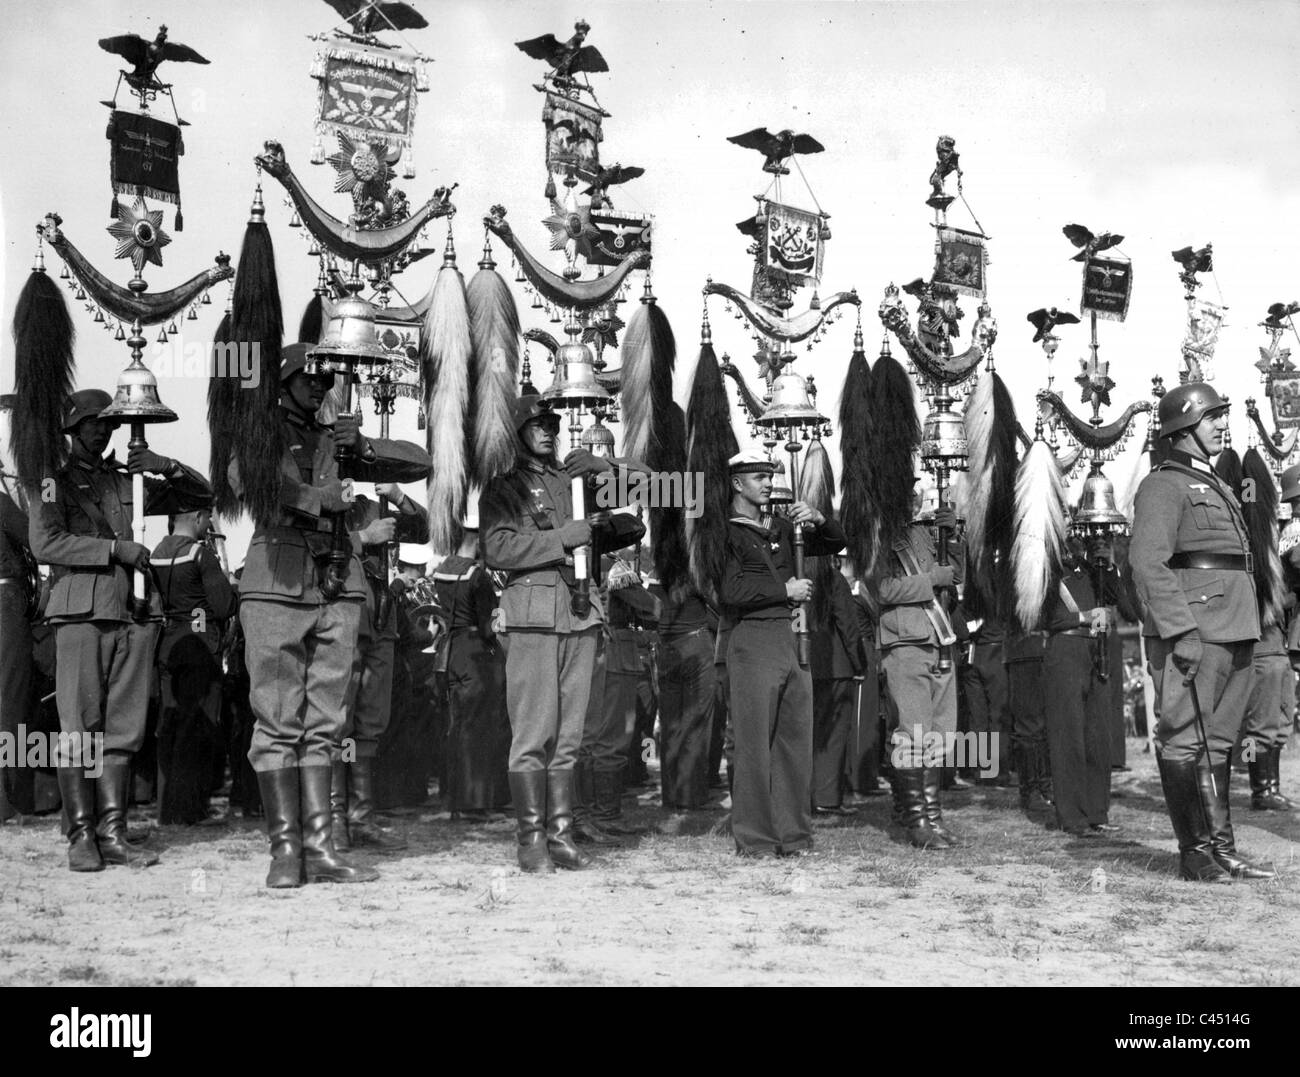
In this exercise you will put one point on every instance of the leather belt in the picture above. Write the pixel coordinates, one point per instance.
(1086, 633)
(1224, 562)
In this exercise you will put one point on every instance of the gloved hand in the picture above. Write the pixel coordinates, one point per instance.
(1187, 655)
(941, 576)
(946, 517)
(130, 553)
(575, 533)
(334, 496)
(140, 460)
(581, 463)
(347, 432)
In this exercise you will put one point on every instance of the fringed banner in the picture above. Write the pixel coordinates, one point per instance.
(618, 235)
(367, 94)
(1204, 319)
(573, 135)
(1107, 288)
(792, 245)
(961, 260)
(144, 158)
(1284, 396)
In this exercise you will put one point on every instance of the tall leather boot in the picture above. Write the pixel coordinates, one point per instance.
(909, 808)
(281, 800)
(1035, 787)
(1275, 778)
(1265, 791)
(111, 790)
(1043, 769)
(608, 787)
(586, 831)
(528, 793)
(1187, 812)
(1223, 846)
(362, 825)
(339, 806)
(79, 812)
(559, 822)
(321, 862)
(930, 783)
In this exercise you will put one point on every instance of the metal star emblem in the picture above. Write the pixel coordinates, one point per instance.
(603, 332)
(1090, 385)
(362, 163)
(572, 226)
(139, 234)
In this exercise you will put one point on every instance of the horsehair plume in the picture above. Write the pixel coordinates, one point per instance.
(1000, 480)
(1260, 512)
(494, 326)
(710, 444)
(256, 319)
(817, 489)
(1229, 468)
(1039, 532)
(648, 356)
(978, 420)
(312, 324)
(446, 348)
(896, 434)
(858, 514)
(668, 523)
(44, 362)
(223, 424)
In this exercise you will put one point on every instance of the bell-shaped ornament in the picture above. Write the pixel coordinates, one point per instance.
(598, 439)
(781, 492)
(943, 435)
(575, 384)
(350, 339)
(136, 398)
(790, 405)
(1097, 510)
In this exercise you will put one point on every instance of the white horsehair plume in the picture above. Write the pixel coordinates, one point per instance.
(446, 349)
(1039, 531)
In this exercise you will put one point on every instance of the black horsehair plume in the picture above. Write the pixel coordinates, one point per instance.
(1260, 512)
(651, 336)
(896, 438)
(990, 421)
(710, 444)
(43, 368)
(668, 522)
(858, 515)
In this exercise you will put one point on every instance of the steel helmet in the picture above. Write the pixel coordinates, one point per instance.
(1186, 405)
(1291, 482)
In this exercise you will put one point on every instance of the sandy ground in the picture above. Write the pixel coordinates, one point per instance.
(1019, 905)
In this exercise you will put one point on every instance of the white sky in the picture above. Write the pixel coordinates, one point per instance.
(1171, 123)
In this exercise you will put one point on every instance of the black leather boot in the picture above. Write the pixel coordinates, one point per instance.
(1035, 780)
(930, 782)
(528, 792)
(586, 831)
(111, 790)
(608, 788)
(1275, 778)
(909, 808)
(78, 793)
(1223, 845)
(362, 824)
(1265, 786)
(559, 821)
(281, 800)
(339, 807)
(1187, 812)
(321, 862)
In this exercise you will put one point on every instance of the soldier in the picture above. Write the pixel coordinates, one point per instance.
(549, 626)
(770, 695)
(1191, 564)
(472, 668)
(837, 668)
(914, 630)
(370, 693)
(104, 647)
(197, 601)
(299, 646)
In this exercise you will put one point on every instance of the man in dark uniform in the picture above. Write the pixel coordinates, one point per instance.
(105, 648)
(1027, 707)
(197, 601)
(1191, 564)
(914, 630)
(370, 693)
(862, 761)
(300, 646)
(836, 665)
(771, 696)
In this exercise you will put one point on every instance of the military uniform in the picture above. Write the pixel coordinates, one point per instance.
(770, 695)
(836, 666)
(17, 793)
(984, 687)
(862, 760)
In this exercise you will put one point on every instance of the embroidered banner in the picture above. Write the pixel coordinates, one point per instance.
(618, 236)
(1204, 319)
(792, 245)
(960, 261)
(573, 135)
(144, 158)
(1107, 288)
(367, 94)
(1284, 396)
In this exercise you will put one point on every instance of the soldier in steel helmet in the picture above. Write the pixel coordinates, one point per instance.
(1191, 563)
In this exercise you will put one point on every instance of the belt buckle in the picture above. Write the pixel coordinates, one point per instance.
(1250, 563)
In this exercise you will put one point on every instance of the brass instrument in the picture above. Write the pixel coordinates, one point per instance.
(421, 600)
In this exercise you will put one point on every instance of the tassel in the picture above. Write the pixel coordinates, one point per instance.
(44, 362)
(1039, 535)
(710, 443)
(247, 416)
(1260, 513)
(858, 514)
(1228, 467)
(180, 219)
(446, 348)
(494, 325)
(896, 434)
(649, 354)
(990, 421)
(668, 550)
(817, 488)
(312, 323)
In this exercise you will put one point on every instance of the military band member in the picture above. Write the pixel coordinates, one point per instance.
(914, 630)
(370, 693)
(197, 601)
(771, 698)
(299, 646)
(1191, 564)
(104, 647)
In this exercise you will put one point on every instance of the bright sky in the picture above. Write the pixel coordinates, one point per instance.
(1171, 123)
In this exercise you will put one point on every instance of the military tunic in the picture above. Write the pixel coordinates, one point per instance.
(770, 695)
(1184, 513)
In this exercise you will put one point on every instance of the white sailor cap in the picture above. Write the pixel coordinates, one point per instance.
(413, 553)
(750, 460)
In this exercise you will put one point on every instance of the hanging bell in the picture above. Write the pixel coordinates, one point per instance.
(575, 384)
(64, 274)
(1097, 510)
(192, 316)
(350, 338)
(537, 302)
(171, 329)
(816, 302)
(206, 300)
(294, 220)
(317, 151)
(943, 434)
(162, 336)
(136, 398)
(120, 334)
(790, 405)
(781, 492)
(99, 316)
(80, 293)
(598, 439)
